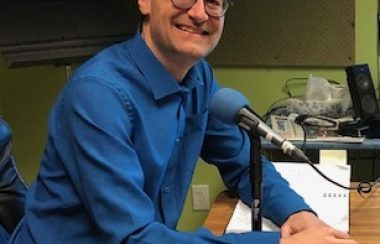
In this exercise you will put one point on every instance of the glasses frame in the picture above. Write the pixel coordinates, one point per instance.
(227, 2)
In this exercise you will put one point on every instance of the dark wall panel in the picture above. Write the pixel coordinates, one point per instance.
(288, 33)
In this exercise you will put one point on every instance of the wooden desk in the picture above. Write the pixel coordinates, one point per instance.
(364, 216)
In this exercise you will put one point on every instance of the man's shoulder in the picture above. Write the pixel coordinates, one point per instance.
(109, 62)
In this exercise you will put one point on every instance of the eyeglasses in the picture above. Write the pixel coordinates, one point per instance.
(215, 8)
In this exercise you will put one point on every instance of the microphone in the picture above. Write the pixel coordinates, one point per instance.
(231, 107)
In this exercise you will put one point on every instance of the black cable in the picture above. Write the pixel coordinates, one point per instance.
(301, 120)
(269, 112)
(303, 147)
(333, 82)
(272, 106)
(363, 186)
(287, 90)
(315, 121)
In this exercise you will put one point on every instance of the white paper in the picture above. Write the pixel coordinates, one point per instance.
(333, 157)
(330, 202)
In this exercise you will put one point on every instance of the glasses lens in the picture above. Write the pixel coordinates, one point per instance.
(216, 8)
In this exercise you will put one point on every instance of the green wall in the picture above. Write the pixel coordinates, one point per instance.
(27, 94)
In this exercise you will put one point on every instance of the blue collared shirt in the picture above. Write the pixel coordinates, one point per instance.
(123, 141)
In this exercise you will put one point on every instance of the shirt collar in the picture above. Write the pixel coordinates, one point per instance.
(159, 79)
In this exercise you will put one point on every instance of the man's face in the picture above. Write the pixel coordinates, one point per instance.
(175, 34)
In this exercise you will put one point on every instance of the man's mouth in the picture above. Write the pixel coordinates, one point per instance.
(191, 30)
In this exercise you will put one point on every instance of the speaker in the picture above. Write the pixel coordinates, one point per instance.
(362, 92)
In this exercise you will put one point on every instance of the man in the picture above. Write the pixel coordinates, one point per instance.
(125, 135)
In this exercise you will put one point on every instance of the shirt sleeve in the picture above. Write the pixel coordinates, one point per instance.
(228, 147)
(106, 173)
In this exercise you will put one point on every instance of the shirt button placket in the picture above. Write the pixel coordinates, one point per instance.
(166, 189)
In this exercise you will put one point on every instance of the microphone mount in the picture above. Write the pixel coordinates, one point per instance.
(256, 174)
(244, 121)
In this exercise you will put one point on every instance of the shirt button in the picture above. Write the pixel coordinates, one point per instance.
(178, 140)
(166, 189)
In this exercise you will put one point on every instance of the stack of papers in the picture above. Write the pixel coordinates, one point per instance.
(330, 202)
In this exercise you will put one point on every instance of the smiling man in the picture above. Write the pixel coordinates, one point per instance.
(179, 40)
(126, 133)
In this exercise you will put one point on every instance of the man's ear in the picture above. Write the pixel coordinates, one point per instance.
(144, 6)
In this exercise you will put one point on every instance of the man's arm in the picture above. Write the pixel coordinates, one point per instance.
(106, 173)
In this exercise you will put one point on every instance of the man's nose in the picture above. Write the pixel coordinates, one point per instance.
(198, 11)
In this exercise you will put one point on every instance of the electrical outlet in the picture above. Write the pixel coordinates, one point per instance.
(201, 197)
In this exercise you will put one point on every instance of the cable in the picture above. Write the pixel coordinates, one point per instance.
(363, 186)
(287, 90)
(375, 182)
(316, 121)
(273, 108)
(313, 121)
(303, 147)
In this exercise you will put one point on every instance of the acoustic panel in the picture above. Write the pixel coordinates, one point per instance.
(288, 33)
(34, 32)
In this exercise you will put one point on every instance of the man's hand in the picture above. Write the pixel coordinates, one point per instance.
(305, 227)
(322, 235)
(301, 221)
